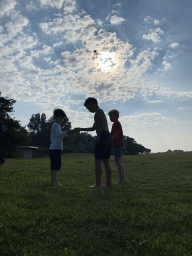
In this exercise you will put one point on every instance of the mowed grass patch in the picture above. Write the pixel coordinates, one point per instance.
(150, 215)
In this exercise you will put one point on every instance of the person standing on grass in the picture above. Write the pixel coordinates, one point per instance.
(56, 147)
(2, 160)
(102, 143)
(118, 144)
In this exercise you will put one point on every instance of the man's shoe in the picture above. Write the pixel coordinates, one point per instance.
(57, 184)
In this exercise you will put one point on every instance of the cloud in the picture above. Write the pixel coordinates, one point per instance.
(73, 27)
(145, 120)
(156, 22)
(115, 20)
(75, 71)
(16, 25)
(30, 6)
(12, 28)
(154, 101)
(167, 65)
(69, 6)
(154, 35)
(99, 22)
(6, 6)
(147, 19)
(142, 62)
(47, 50)
(74, 102)
(53, 3)
(150, 20)
(117, 5)
(174, 45)
(57, 44)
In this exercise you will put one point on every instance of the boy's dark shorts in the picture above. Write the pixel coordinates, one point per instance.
(103, 148)
(55, 157)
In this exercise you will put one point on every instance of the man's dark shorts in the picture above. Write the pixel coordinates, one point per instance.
(103, 148)
(1, 151)
(55, 158)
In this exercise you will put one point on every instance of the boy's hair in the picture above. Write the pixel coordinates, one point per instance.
(114, 112)
(90, 101)
(59, 113)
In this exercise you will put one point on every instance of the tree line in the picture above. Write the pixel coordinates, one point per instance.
(38, 134)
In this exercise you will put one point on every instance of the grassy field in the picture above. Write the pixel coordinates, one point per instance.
(150, 215)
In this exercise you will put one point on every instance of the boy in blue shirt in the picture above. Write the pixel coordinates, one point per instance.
(56, 146)
(118, 144)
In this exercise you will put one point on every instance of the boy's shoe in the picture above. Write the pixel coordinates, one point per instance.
(3, 162)
(95, 186)
(56, 184)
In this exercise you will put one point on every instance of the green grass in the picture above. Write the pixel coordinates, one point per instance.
(150, 215)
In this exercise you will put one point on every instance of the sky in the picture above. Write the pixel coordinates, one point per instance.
(133, 56)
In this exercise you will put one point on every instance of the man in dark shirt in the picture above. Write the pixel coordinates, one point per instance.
(2, 160)
(103, 141)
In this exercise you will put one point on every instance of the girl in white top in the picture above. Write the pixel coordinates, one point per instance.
(56, 146)
(57, 136)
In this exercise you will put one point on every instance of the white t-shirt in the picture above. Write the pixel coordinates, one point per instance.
(57, 136)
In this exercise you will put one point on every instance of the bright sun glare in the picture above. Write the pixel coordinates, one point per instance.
(106, 61)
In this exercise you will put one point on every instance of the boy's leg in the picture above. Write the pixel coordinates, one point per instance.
(98, 171)
(120, 168)
(108, 171)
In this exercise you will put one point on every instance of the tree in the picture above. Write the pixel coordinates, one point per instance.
(40, 129)
(77, 142)
(14, 134)
(5, 107)
(133, 148)
(37, 123)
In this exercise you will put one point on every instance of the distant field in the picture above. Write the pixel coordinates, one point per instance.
(150, 215)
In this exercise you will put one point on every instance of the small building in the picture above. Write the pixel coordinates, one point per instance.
(27, 151)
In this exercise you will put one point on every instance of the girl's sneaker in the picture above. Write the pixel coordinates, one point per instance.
(95, 186)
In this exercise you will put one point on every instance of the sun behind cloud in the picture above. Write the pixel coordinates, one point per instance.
(106, 61)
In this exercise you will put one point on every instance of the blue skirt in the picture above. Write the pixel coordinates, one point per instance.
(55, 158)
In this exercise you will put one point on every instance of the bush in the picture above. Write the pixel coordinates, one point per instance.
(41, 152)
(69, 149)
